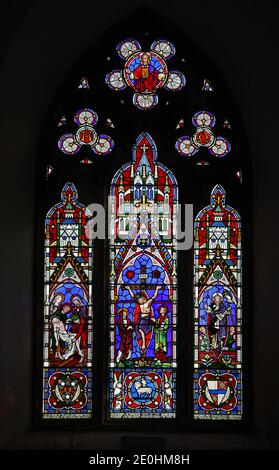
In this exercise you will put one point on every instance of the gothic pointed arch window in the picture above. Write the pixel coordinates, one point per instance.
(67, 374)
(218, 310)
(124, 339)
(143, 287)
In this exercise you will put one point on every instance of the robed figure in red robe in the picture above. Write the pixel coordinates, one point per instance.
(126, 329)
(145, 77)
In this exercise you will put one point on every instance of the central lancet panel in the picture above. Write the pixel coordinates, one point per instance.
(143, 287)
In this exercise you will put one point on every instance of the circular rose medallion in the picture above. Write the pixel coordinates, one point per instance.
(104, 145)
(143, 390)
(67, 390)
(203, 119)
(67, 144)
(203, 137)
(86, 135)
(221, 147)
(217, 391)
(115, 80)
(145, 100)
(86, 116)
(164, 48)
(176, 81)
(127, 47)
(185, 146)
(145, 72)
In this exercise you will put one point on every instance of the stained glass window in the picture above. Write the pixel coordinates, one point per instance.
(85, 134)
(203, 137)
(170, 89)
(67, 376)
(143, 295)
(217, 311)
(145, 72)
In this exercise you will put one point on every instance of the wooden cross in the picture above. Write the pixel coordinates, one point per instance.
(143, 275)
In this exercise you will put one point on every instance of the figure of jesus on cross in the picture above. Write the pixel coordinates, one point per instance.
(144, 319)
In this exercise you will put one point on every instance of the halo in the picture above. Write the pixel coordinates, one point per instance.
(145, 53)
(219, 294)
(121, 310)
(58, 294)
(76, 296)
